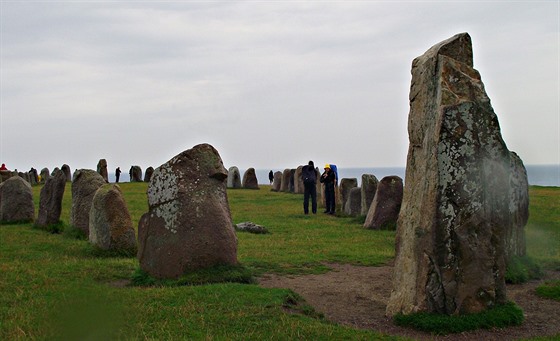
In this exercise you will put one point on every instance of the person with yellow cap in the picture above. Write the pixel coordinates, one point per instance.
(328, 178)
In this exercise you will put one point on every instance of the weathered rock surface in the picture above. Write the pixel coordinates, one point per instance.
(251, 227)
(50, 199)
(188, 226)
(44, 175)
(102, 169)
(110, 224)
(16, 201)
(344, 188)
(285, 185)
(84, 185)
(384, 209)
(277, 182)
(66, 170)
(298, 181)
(455, 212)
(234, 177)
(33, 176)
(250, 179)
(369, 187)
(519, 206)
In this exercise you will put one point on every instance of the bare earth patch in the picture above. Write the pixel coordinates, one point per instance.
(356, 296)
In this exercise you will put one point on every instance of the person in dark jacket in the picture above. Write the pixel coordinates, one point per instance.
(118, 173)
(270, 176)
(328, 178)
(309, 177)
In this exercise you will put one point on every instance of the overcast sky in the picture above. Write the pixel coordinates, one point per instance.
(270, 84)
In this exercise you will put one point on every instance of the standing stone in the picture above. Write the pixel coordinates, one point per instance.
(135, 174)
(277, 182)
(148, 174)
(33, 176)
(16, 201)
(250, 179)
(285, 185)
(102, 169)
(50, 199)
(455, 211)
(292, 186)
(346, 185)
(298, 181)
(519, 205)
(5, 175)
(110, 225)
(386, 205)
(354, 203)
(84, 185)
(369, 187)
(188, 226)
(44, 175)
(66, 170)
(234, 178)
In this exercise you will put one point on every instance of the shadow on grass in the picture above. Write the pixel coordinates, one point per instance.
(216, 274)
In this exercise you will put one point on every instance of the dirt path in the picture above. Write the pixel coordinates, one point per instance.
(356, 296)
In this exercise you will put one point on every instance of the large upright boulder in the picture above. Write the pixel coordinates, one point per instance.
(44, 175)
(148, 174)
(369, 187)
(16, 201)
(66, 170)
(188, 226)
(135, 173)
(346, 184)
(234, 177)
(84, 185)
(386, 205)
(277, 182)
(50, 199)
(519, 205)
(298, 181)
(102, 169)
(250, 179)
(455, 212)
(353, 205)
(285, 185)
(110, 224)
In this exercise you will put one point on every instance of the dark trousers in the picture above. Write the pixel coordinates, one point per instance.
(329, 200)
(309, 190)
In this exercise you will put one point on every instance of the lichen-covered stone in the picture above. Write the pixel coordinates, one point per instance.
(386, 205)
(50, 199)
(102, 169)
(66, 170)
(188, 225)
(450, 241)
(250, 179)
(369, 187)
(110, 224)
(519, 207)
(44, 175)
(85, 183)
(353, 205)
(16, 201)
(234, 177)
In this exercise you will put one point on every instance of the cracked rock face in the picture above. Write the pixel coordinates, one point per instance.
(188, 226)
(456, 212)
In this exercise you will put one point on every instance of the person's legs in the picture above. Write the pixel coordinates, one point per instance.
(306, 199)
(313, 192)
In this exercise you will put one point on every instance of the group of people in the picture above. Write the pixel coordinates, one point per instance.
(309, 177)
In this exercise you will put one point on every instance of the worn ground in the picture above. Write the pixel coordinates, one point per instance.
(356, 296)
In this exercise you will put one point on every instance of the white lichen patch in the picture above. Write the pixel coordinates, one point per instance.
(169, 212)
(163, 186)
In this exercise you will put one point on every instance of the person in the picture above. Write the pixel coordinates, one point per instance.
(309, 177)
(3, 168)
(270, 176)
(328, 179)
(118, 173)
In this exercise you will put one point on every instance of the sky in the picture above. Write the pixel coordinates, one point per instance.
(269, 84)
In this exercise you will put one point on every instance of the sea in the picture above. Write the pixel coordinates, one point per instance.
(538, 175)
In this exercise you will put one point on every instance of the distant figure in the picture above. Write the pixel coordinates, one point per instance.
(309, 177)
(328, 178)
(271, 176)
(3, 168)
(118, 173)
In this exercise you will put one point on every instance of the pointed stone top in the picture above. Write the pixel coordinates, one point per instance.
(458, 47)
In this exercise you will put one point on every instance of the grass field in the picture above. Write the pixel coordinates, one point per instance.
(53, 287)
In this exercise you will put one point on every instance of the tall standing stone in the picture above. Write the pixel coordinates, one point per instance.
(148, 174)
(298, 181)
(110, 224)
(285, 185)
(33, 176)
(102, 169)
(250, 179)
(455, 211)
(277, 182)
(188, 226)
(519, 206)
(50, 199)
(16, 201)
(354, 202)
(66, 170)
(234, 177)
(84, 185)
(386, 205)
(346, 185)
(369, 187)
(44, 175)
(135, 173)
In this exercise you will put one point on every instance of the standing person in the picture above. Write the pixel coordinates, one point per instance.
(118, 173)
(328, 178)
(3, 168)
(270, 176)
(309, 177)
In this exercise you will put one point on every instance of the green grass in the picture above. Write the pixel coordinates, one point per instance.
(54, 286)
(550, 289)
